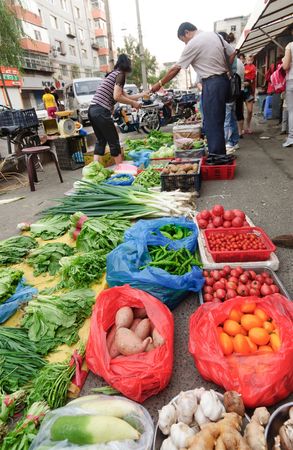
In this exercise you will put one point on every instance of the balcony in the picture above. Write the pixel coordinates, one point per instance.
(28, 16)
(98, 14)
(35, 46)
(37, 63)
(104, 68)
(103, 51)
(99, 32)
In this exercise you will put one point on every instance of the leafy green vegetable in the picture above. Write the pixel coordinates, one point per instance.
(148, 178)
(82, 270)
(46, 258)
(154, 141)
(8, 406)
(175, 232)
(94, 172)
(164, 152)
(103, 233)
(9, 279)
(50, 227)
(13, 249)
(52, 320)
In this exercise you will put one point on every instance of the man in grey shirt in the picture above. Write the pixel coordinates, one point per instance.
(205, 52)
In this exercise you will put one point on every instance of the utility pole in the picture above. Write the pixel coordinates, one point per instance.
(141, 49)
(109, 34)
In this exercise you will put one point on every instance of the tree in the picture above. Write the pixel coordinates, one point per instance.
(10, 35)
(131, 48)
(168, 85)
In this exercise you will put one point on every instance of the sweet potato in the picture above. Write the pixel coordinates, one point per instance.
(110, 337)
(150, 347)
(158, 340)
(124, 317)
(139, 313)
(135, 323)
(113, 352)
(128, 343)
(143, 329)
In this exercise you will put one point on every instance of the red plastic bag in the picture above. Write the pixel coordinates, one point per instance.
(139, 376)
(278, 80)
(261, 379)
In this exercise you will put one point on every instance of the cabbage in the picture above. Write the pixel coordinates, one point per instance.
(95, 172)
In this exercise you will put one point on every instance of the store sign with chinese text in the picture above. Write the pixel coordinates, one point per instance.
(11, 77)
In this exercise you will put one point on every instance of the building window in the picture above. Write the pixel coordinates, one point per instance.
(98, 4)
(233, 27)
(88, 72)
(81, 35)
(95, 60)
(54, 23)
(63, 70)
(102, 42)
(84, 53)
(77, 12)
(68, 29)
(99, 23)
(103, 60)
(75, 72)
(58, 45)
(63, 4)
(38, 36)
(72, 50)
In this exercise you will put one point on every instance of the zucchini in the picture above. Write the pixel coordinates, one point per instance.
(90, 429)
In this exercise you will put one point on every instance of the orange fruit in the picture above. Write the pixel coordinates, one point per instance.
(243, 331)
(261, 314)
(226, 343)
(232, 327)
(235, 314)
(249, 321)
(269, 326)
(241, 345)
(248, 307)
(259, 336)
(275, 342)
(264, 349)
(252, 345)
(219, 330)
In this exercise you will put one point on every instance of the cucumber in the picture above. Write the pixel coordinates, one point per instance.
(90, 429)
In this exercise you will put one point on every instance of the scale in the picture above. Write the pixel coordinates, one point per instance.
(66, 126)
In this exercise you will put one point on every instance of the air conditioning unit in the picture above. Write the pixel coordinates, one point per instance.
(55, 53)
(53, 48)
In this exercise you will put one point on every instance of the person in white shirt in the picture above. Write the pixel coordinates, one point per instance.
(288, 66)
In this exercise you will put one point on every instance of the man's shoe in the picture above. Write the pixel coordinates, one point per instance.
(230, 151)
(288, 143)
(236, 146)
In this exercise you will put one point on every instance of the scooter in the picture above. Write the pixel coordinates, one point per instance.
(147, 118)
(177, 107)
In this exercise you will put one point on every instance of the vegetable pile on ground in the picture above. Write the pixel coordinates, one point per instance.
(51, 320)
(9, 279)
(248, 330)
(217, 217)
(181, 169)
(131, 203)
(163, 152)
(93, 172)
(82, 270)
(47, 228)
(13, 249)
(46, 258)
(174, 232)
(201, 420)
(19, 360)
(148, 178)
(220, 285)
(132, 333)
(175, 262)
(154, 141)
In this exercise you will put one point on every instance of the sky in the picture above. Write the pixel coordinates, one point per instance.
(160, 20)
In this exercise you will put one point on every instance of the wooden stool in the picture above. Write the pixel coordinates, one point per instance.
(30, 157)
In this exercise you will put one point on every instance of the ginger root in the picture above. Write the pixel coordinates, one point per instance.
(254, 431)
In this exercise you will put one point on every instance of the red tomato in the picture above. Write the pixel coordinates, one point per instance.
(208, 289)
(208, 298)
(239, 213)
(218, 285)
(227, 224)
(252, 274)
(217, 221)
(231, 293)
(228, 215)
(209, 281)
(205, 214)
(218, 210)
(202, 223)
(244, 278)
(237, 222)
(242, 290)
(274, 289)
(227, 269)
(221, 293)
(265, 290)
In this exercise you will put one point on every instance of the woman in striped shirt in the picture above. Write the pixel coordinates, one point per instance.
(108, 93)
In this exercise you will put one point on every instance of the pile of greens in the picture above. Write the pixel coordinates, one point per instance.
(9, 279)
(175, 232)
(103, 233)
(93, 172)
(82, 270)
(154, 141)
(13, 249)
(46, 258)
(148, 178)
(19, 359)
(50, 227)
(51, 320)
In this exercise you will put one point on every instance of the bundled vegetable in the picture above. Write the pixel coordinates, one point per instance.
(46, 258)
(82, 270)
(19, 360)
(148, 178)
(54, 320)
(9, 279)
(22, 435)
(13, 249)
(93, 172)
(10, 404)
(50, 227)
(175, 262)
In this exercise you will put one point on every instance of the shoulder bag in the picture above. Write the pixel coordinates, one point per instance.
(235, 80)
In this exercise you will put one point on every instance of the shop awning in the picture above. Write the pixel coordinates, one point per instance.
(268, 21)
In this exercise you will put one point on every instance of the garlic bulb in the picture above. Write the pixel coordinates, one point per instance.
(168, 445)
(199, 416)
(167, 416)
(198, 393)
(180, 433)
(186, 405)
(212, 406)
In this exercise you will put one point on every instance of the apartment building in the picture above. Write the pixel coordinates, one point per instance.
(233, 25)
(63, 39)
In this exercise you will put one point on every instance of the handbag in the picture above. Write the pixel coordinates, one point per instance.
(235, 80)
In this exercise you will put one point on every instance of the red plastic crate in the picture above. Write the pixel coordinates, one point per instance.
(225, 172)
(241, 255)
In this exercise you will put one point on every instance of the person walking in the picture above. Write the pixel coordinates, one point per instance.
(204, 51)
(56, 96)
(49, 103)
(101, 108)
(288, 66)
(249, 90)
(239, 102)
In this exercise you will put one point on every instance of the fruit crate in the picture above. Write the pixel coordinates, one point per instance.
(187, 182)
(220, 172)
(161, 161)
(23, 118)
(241, 255)
(258, 270)
(70, 152)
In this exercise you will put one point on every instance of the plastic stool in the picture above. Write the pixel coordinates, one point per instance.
(30, 158)
(268, 108)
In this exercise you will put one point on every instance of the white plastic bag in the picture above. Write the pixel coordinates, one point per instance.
(141, 416)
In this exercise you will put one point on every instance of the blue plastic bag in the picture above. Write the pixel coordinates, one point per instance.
(23, 293)
(140, 158)
(123, 268)
(146, 228)
(115, 179)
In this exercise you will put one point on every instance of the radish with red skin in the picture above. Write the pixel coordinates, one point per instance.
(208, 289)
(208, 298)
(231, 293)
(218, 210)
(234, 273)
(218, 285)
(205, 214)
(244, 278)
(221, 294)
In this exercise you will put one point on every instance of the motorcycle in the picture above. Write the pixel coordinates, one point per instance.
(177, 107)
(147, 118)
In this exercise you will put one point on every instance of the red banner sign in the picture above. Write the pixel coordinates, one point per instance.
(11, 77)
